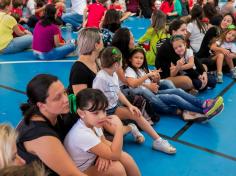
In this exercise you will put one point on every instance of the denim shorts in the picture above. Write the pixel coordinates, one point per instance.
(112, 110)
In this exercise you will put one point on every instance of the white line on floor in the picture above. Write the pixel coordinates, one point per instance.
(29, 62)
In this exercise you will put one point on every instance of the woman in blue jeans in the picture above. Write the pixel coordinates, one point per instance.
(165, 98)
(47, 42)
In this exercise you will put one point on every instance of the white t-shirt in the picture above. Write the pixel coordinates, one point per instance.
(78, 6)
(109, 85)
(188, 54)
(79, 141)
(31, 5)
(196, 36)
(227, 45)
(130, 73)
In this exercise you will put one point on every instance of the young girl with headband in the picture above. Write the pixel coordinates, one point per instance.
(186, 65)
(225, 48)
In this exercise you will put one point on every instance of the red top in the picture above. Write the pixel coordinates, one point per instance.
(21, 28)
(190, 4)
(117, 7)
(95, 14)
(166, 8)
(17, 11)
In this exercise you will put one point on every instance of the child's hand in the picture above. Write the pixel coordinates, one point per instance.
(102, 164)
(173, 67)
(115, 121)
(203, 78)
(104, 121)
(151, 74)
(180, 63)
(27, 32)
(154, 87)
(225, 52)
(232, 55)
(134, 110)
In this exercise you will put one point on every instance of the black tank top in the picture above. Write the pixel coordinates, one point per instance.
(36, 129)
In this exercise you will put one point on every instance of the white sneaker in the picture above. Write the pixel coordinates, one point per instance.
(164, 146)
(139, 138)
(233, 72)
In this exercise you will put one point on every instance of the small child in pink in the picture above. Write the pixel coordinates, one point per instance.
(94, 14)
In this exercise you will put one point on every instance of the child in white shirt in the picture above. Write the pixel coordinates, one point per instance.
(107, 81)
(224, 48)
(86, 144)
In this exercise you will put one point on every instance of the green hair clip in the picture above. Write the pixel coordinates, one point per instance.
(114, 51)
(116, 54)
(231, 27)
(72, 102)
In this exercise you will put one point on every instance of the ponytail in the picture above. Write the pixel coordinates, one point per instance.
(28, 110)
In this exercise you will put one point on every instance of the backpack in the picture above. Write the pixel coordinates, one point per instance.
(144, 106)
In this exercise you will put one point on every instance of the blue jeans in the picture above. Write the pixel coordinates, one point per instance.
(18, 44)
(166, 84)
(169, 100)
(56, 53)
(73, 18)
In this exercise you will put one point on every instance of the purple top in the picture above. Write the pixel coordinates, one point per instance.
(43, 39)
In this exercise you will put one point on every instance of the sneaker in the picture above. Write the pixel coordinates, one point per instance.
(209, 110)
(216, 112)
(193, 92)
(193, 116)
(233, 72)
(139, 138)
(219, 78)
(164, 146)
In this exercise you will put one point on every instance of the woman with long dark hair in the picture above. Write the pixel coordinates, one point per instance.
(46, 39)
(110, 24)
(196, 29)
(43, 128)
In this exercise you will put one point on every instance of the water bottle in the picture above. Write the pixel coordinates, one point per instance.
(68, 32)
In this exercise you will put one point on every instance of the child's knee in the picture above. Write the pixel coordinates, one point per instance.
(220, 56)
(117, 169)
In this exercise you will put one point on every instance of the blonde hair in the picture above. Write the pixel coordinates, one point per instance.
(8, 137)
(33, 169)
(87, 39)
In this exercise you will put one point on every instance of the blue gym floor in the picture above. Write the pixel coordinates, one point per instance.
(203, 149)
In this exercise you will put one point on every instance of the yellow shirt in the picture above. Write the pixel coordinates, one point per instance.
(7, 23)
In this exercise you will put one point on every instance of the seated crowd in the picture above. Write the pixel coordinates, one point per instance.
(65, 131)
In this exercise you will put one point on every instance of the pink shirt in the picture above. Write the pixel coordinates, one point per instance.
(95, 14)
(43, 38)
